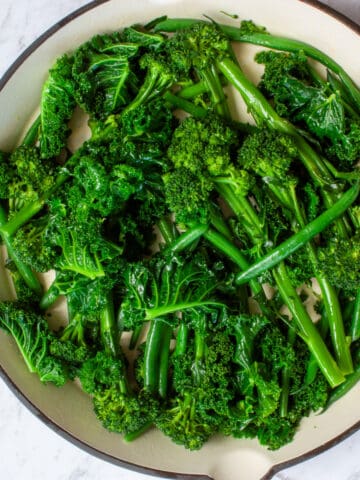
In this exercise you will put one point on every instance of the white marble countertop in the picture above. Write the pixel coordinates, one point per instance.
(28, 448)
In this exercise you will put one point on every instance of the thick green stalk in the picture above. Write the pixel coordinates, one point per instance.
(164, 362)
(307, 329)
(194, 90)
(157, 332)
(210, 76)
(243, 210)
(181, 339)
(108, 328)
(312, 367)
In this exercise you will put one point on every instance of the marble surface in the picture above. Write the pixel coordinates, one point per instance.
(28, 448)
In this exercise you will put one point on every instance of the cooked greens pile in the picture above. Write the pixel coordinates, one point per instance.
(210, 267)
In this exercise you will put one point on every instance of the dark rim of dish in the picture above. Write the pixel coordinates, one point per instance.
(60, 430)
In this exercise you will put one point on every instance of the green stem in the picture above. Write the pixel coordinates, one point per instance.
(344, 388)
(131, 436)
(299, 239)
(181, 339)
(153, 313)
(158, 328)
(29, 211)
(286, 379)
(334, 315)
(24, 270)
(135, 336)
(183, 104)
(49, 297)
(243, 210)
(312, 366)
(164, 362)
(187, 238)
(233, 253)
(166, 229)
(210, 76)
(193, 90)
(355, 319)
(32, 134)
(307, 329)
(108, 328)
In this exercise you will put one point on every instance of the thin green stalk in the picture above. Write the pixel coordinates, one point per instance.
(24, 270)
(187, 238)
(135, 336)
(165, 226)
(49, 297)
(29, 211)
(299, 239)
(155, 312)
(32, 134)
(344, 388)
(286, 379)
(355, 319)
(234, 254)
(183, 104)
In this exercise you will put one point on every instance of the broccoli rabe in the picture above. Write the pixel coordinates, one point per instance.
(191, 251)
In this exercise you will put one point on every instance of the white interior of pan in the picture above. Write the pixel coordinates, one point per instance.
(222, 458)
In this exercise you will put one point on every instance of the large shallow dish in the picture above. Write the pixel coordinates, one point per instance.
(68, 410)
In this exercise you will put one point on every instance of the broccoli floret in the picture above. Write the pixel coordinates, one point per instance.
(340, 262)
(119, 408)
(201, 368)
(187, 195)
(31, 178)
(6, 174)
(31, 245)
